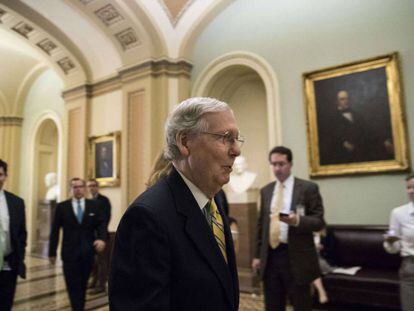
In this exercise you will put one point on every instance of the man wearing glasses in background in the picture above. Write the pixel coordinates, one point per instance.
(173, 247)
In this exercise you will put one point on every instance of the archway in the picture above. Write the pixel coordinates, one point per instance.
(45, 160)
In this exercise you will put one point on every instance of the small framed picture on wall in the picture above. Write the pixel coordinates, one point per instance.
(104, 159)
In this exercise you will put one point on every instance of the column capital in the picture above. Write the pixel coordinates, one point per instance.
(11, 120)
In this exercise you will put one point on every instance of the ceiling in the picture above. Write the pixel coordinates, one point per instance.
(85, 41)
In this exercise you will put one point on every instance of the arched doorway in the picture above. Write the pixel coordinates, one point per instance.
(45, 162)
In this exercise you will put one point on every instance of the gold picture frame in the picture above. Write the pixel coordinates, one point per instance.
(355, 118)
(104, 159)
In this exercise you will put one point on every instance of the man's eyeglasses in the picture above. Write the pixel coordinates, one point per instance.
(228, 138)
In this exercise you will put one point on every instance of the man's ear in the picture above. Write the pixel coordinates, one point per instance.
(182, 144)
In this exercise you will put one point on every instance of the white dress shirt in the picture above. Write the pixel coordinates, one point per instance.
(5, 224)
(199, 196)
(402, 225)
(75, 205)
(287, 203)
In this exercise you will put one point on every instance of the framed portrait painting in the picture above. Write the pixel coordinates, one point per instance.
(355, 118)
(104, 159)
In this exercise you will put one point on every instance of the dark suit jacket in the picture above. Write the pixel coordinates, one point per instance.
(166, 257)
(77, 238)
(18, 233)
(104, 207)
(302, 253)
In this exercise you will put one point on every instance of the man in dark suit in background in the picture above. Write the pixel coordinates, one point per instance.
(285, 251)
(100, 266)
(12, 241)
(173, 247)
(84, 231)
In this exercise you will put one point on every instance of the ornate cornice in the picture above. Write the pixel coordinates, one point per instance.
(147, 68)
(11, 120)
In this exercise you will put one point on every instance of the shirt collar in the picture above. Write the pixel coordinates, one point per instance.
(199, 196)
(288, 181)
(75, 201)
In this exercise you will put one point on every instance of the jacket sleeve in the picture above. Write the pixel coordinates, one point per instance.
(55, 230)
(313, 219)
(102, 225)
(140, 272)
(22, 238)
(259, 228)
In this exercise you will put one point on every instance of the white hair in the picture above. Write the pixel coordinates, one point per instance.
(188, 117)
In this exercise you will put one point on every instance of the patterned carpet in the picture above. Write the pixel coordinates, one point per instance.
(44, 290)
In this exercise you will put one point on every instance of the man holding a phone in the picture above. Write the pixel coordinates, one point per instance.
(286, 258)
(400, 239)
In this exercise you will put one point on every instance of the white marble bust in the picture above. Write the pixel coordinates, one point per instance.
(52, 193)
(241, 179)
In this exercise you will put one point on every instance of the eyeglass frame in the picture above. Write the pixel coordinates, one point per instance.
(228, 138)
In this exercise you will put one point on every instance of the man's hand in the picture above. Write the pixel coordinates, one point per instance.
(256, 265)
(291, 220)
(99, 245)
(52, 260)
(391, 238)
(348, 146)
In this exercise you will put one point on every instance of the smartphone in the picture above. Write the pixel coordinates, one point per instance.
(284, 214)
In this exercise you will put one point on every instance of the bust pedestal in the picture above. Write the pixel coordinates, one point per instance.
(243, 207)
(45, 214)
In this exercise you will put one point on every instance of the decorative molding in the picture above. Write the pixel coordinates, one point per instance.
(66, 64)
(170, 8)
(11, 120)
(2, 13)
(151, 67)
(85, 2)
(108, 15)
(128, 39)
(47, 46)
(76, 92)
(23, 29)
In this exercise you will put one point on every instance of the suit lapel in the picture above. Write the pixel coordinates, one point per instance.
(199, 232)
(86, 211)
(71, 212)
(297, 190)
(12, 214)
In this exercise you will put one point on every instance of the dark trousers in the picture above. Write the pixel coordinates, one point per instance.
(279, 283)
(76, 278)
(8, 280)
(407, 283)
(100, 268)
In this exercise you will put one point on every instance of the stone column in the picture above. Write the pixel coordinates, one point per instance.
(10, 138)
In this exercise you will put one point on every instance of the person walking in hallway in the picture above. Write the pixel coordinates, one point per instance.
(84, 232)
(100, 266)
(13, 237)
(173, 247)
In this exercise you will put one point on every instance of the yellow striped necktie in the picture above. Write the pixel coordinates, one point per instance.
(274, 230)
(217, 227)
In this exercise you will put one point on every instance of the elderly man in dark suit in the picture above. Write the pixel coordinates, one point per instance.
(291, 210)
(84, 231)
(12, 241)
(173, 247)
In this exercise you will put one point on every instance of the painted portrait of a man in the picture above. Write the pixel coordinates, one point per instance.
(353, 116)
(104, 159)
